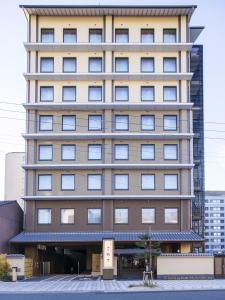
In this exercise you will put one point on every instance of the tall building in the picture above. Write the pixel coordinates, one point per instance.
(214, 221)
(14, 177)
(109, 134)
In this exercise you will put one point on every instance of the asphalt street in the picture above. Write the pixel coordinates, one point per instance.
(184, 295)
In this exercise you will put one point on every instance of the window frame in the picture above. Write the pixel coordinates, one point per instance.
(167, 58)
(120, 87)
(119, 59)
(69, 58)
(39, 121)
(141, 34)
(148, 189)
(89, 35)
(169, 208)
(95, 86)
(61, 182)
(120, 29)
(94, 208)
(66, 159)
(148, 145)
(69, 87)
(45, 87)
(89, 145)
(169, 87)
(118, 115)
(142, 116)
(53, 34)
(45, 58)
(93, 174)
(63, 116)
(89, 64)
(64, 29)
(47, 208)
(164, 116)
(152, 208)
(89, 123)
(176, 145)
(45, 145)
(144, 87)
(164, 180)
(63, 223)
(121, 208)
(122, 174)
(116, 145)
(166, 29)
(146, 58)
(38, 183)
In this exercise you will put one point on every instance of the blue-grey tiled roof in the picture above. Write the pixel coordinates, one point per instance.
(32, 237)
(7, 202)
(185, 254)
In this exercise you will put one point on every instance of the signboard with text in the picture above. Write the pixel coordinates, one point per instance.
(108, 254)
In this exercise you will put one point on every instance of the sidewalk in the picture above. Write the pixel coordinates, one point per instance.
(71, 284)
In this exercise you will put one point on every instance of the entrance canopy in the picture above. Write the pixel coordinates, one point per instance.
(129, 236)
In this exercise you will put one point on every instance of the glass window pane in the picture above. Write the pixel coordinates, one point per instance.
(46, 93)
(47, 65)
(170, 122)
(170, 181)
(94, 122)
(121, 182)
(69, 64)
(169, 93)
(121, 93)
(147, 35)
(95, 64)
(170, 65)
(170, 151)
(69, 35)
(122, 36)
(44, 182)
(44, 216)
(68, 152)
(147, 151)
(121, 122)
(147, 93)
(147, 64)
(169, 36)
(122, 64)
(47, 35)
(148, 215)
(94, 152)
(121, 152)
(69, 93)
(45, 152)
(95, 182)
(147, 122)
(68, 122)
(94, 215)
(171, 215)
(95, 35)
(67, 182)
(95, 93)
(121, 215)
(67, 216)
(45, 123)
(147, 181)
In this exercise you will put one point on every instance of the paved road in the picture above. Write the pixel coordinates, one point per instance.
(188, 295)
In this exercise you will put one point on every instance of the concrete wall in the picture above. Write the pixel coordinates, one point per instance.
(184, 267)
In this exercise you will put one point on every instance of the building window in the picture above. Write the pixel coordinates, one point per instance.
(170, 93)
(94, 215)
(69, 35)
(147, 152)
(147, 93)
(169, 64)
(67, 182)
(46, 93)
(94, 93)
(95, 35)
(170, 152)
(147, 122)
(121, 122)
(147, 181)
(170, 122)
(68, 123)
(121, 93)
(45, 123)
(94, 122)
(45, 152)
(94, 182)
(69, 64)
(121, 215)
(69, 93)
(68, 152)
(67, 216)
(169, 36)
(171, 215)
(94, 152)
(148, 215)
(147, 64)
(47, 65)
(122, 152)
(147, 35)
(121, 64)
(44, 216)
(47, 35)
(170, 182)
(45, 182)
(122, 35)
(121, 181)
(95, 64)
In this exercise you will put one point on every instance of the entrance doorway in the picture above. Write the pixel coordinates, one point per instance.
(219, 266)
(130, 266)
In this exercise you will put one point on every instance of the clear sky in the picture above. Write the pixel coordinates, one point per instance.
(209, 13)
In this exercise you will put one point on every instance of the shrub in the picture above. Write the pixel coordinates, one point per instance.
(4, 267)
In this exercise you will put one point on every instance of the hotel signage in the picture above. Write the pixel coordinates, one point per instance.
(108, 254)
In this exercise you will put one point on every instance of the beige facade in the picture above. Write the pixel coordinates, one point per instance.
(14, 177)
(136, 122)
